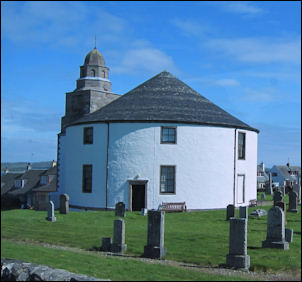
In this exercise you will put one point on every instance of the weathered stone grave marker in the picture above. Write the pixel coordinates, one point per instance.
(289, 235)
(230, 212)
(282, 205)
(118, 245)
(244, 212)
(278, 197)
(237, 256)
(64, 203)
(155, 240)
(269, 186)
(297, 189)
(293, 202)
(51, 212)
(120, 209)
(275, 236)
(106, 244)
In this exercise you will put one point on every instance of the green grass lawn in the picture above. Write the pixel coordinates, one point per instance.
(195, 237)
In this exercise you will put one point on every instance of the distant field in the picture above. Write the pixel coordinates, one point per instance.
(195, 237)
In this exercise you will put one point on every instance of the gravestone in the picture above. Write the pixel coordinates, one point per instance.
(278, 197)
(244, 212)
(297, 189)
(106, 244)
(282, 205)
(144, 211)
(51, 212)
(282, 189)
(118, 245)
(293, 202)
(230, 212)
(155, 238)
(120, 209)
(275, 236)
(289, 235)
(269, 186)
(237, 256)
(64, 203)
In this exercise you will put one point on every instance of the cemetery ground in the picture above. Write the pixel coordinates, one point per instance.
(199, 238)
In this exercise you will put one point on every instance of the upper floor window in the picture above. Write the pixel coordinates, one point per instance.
(168, 135)
(92, 73)
(241, 146)
(274, 174)
(88, 135)
(19, 183)
(167, 179)
(44, 179)
(87, 179)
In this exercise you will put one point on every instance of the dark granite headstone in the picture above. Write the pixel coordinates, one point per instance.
(120, 209)
(293, 202)
(64, 203)
(230, 212)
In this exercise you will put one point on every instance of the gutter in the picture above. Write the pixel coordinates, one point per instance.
(107, 166)
(234, 188)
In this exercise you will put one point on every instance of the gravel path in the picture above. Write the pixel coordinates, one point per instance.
(262, 276)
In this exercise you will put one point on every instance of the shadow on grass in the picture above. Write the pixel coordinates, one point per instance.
(253, 247)
(297, 232)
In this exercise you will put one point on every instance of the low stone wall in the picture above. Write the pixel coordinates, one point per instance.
(15, 270)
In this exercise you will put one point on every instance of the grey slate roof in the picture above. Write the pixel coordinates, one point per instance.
(285, 171)
(33, 180)
(164, 98)
(51, 187)
(8, 182)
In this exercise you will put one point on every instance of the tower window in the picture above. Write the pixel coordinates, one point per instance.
(92, 73)
(167, 179)
(104, 74)
(241, 146)
(87, 179)
(88, 135)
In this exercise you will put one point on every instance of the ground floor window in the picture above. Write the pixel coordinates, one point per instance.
(87, 179)
(167, 179)
(240, 188)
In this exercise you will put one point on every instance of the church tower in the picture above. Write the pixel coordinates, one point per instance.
(93, 89)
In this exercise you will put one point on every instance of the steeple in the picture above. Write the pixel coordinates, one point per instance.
(94, 74)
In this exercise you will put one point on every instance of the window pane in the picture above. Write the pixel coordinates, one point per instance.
(168, 135)
(87, 178)
(167, 183)
(241, 145)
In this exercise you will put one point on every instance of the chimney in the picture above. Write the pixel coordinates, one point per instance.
(28, 167)
(53, 163)
(262, 166)
(6, 170)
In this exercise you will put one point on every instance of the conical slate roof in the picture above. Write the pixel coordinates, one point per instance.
(164, 98)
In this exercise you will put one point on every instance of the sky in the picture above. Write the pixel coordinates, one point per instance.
(243, 56)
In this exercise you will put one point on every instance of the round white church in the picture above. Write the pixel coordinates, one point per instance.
(160, 142)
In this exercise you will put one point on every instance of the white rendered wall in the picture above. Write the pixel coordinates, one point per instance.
(73, 155)
(203, 156)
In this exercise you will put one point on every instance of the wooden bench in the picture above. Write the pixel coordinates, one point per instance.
(174, 207)
(253, 203)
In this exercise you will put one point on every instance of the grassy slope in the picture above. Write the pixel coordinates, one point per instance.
(105, 267)
(197, 237)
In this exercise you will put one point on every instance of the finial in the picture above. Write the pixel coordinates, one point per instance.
(94, 41)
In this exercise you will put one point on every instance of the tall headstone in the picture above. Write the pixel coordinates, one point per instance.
(244, 212)
(293, 202)
(64, 203)
(282, 189)
(278, 197)
(237, 256)
(51, 212)
(118, 245)
(297, 189)
(155, 240)
(230, 212)
(120, 209)
(269, 186)
(275, 236)
(282, 205)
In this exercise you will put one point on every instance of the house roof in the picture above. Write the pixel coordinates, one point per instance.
(32, 178)
(164, 98)
(51, 171)
(51, 187)
(8, 181)
(285, 171)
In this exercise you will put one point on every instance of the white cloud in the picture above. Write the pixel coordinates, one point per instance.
(223, 82)
(258, 50)
(145, 59)
(246, 8)
(266, 94)
(190, 27)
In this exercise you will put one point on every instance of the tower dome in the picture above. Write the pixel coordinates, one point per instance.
(94, 57)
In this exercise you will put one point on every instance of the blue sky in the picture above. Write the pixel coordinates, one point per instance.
(243, 56)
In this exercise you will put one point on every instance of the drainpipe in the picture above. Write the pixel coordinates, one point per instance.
(234, 188)
(107, 165)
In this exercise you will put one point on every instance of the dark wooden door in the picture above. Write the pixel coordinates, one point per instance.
(138, 197)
